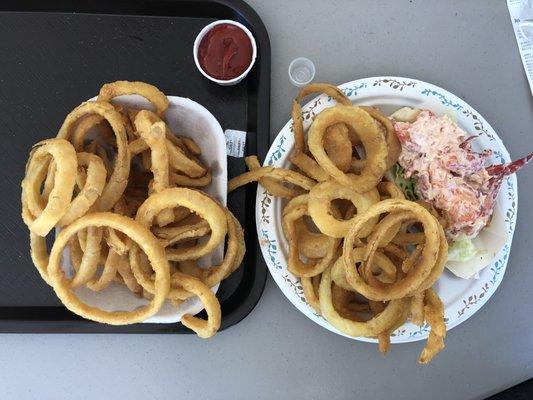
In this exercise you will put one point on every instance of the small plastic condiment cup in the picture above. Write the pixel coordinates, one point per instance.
(301, 71)
(201, 35)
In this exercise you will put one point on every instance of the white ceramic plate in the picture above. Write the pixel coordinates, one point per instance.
(185, 117)
(462, 298)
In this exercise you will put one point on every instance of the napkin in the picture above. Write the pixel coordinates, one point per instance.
(521, 12)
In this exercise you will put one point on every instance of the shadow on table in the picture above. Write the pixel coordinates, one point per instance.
(523, 391)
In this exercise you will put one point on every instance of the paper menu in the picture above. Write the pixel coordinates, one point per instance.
(521, 12)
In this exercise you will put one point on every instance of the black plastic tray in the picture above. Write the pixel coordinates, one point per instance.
(55, 54)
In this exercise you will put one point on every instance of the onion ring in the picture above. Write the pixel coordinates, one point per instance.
(96, 149)
(434, 314)
(341, 298)
(384, 337)
(142, 237)
(144, 119)
(320, 198)
(371, 328)
(271, 185)
(42, 221)
(279, 174)
(39, 255)
(338, 147)
(232, 259)
(409, 261)
(234, 253)
(442, 220)
(191, 145)
(417, 309)
(90, 259)
(387, 229)
(85, 125)
(384, 343)
(195, 201)
(183, 180)
(309, 166)
(203, 328)
(127, 277)
(155, 139)
(295, 265)
(370, 135)
(311, 244)
(190, 267)
(390, 189)
(48, 184)
(310, 293)
(92, 188)
(381, 261)
(172, 235)
(149, 92)
(415, 278)
(298, 130)
(393, 144)
(117, 244)
(108, 273)
(440, 263)
(357, 165)
(405, 238)
(395, 251)
(119, 177)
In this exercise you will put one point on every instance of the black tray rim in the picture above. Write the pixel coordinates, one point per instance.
(61, 320)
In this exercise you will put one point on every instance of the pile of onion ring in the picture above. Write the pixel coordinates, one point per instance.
(125, 192)
(366, 257)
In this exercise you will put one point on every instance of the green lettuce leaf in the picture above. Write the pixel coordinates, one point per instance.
(407, 185)
(463, 249)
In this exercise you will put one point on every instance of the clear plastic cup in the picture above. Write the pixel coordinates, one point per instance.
(301, 71)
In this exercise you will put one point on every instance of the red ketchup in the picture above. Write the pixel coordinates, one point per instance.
(225, 52)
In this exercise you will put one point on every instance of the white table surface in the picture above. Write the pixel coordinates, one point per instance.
(276, 352)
